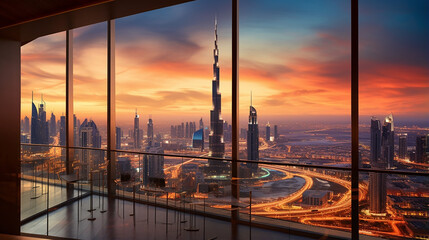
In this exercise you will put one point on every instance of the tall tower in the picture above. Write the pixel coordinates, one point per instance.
(267, 132)
(35, 126)
(136, 133)
(150, 131)
(216, 144)
(52, 125)
(44, 125)
(387, 141)
(377, 181)
(253, 139)
(402, 153)
(276, 133)
(421, 146)
(201, 124)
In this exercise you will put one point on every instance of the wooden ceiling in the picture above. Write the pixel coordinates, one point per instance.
(14, 12)
(26, 20)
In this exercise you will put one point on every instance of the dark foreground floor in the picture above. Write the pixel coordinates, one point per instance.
(117, 223)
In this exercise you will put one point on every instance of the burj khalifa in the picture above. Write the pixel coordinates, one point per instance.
(216, 144)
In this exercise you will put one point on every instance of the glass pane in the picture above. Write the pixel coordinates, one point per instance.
(90, 86)
(168, 78)
(295, 82)
(43, 90)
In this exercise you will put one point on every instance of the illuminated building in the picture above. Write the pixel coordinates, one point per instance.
(136, 133)
(267, 132)
(276, 133)
(216, 144)
(52, 125)
(253, 139)
(421, 145)
(387, 141)
(118, 138)
(377, 181)
(402, 153)
(198, 139)
(150, 132)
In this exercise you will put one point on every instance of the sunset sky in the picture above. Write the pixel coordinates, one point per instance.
(294, 56)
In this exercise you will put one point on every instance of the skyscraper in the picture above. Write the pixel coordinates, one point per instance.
(35, 125)
(39, 125)
(402, 153)
(52, 125)
(136, 133)
(377, 181)
(201, 124)
(187, 130)
(253, 140)
(421, 146)
(216, 144)
(198, 139)
(89, 136)
(387, 141)
(62, 131)
(150, 132)
(26, 125)
(118, 138)
(276, 133)
(153, 166)
(267, 132)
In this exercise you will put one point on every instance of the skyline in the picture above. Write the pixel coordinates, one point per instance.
(303, 76)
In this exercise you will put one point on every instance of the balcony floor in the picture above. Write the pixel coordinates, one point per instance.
(117, 223)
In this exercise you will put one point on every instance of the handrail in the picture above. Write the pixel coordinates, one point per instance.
(399, 172)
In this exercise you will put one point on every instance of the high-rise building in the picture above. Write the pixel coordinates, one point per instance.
(26, 125)
(421, 145)
(35, 125)
(182, 130)
(198, 139)
(136, 134)
(216, 144)
(267, 132)
(52, 126)
(62, 130)
(118, 138)
(402, 152)
(187, 130)
(201, 124)
(39, 125)
(276, 133)
(387, 141)
(89, 136)
(375, 148)
(377, 181)
(173, 131)
(253, 140)
(153, 166)
(150, 132)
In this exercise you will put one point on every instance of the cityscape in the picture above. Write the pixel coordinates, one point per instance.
(393, 206)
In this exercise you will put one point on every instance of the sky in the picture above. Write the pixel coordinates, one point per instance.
(294, 58)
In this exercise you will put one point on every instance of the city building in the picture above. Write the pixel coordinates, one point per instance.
(421, 146)
(89, 136)
(201, 124)
(153, 167)
(26, 127)
(62, 131)
(402, 152)
(39, 125)
(150, 132)
(276, 133)
(377, 189)
(267, 132)
(198, 139)
(118, 138)
(216, 144)
(52, 126)
(253, 140)
(316, 197)
(137, 136)
(387, 141)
